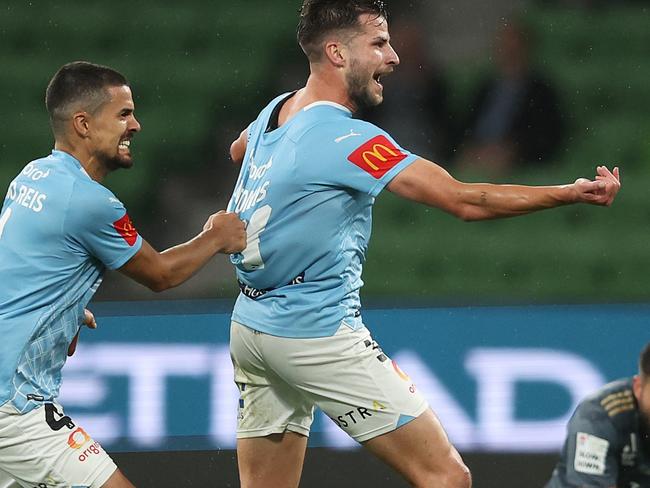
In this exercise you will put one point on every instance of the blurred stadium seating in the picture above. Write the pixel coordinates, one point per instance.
(598, 61)
(199, 71)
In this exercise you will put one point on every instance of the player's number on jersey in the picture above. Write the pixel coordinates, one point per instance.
(3, 220)
(252, 259)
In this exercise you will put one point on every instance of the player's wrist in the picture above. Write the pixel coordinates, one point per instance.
(218, 241)
(569, 193)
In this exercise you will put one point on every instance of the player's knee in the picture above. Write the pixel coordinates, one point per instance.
(460, 477)
(454, 475)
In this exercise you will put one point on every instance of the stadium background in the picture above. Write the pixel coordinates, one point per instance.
(199, 72)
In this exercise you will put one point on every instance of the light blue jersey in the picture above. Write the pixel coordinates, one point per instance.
(306, 190)
(59, 231)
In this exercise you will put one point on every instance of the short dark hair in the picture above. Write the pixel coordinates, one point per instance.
(320, 17)
(79, 85)
(644, 361)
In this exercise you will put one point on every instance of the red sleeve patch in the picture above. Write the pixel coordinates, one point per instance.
(125, 228)
(376, 156)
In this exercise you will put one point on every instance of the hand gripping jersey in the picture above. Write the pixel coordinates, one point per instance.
(59, 230)
(606, 443)
(306, 191)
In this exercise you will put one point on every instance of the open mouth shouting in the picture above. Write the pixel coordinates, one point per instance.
(124, 145)
(377, 78)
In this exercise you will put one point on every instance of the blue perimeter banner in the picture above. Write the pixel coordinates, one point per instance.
(157, 375)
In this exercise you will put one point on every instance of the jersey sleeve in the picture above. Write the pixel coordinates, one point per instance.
(353, 154)
(591, 455)
(101, 226)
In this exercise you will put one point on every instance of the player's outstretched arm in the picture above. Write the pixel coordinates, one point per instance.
(428, 183)
(223, 232)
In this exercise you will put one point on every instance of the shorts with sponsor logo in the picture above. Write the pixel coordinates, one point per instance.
(44, 448)
(346, 375)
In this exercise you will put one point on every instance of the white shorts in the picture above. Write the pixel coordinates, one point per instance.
(44, 448)
(346, 375)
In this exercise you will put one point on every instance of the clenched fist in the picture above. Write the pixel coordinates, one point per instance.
(228, 229)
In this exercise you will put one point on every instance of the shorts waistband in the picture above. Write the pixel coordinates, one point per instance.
(254, 293)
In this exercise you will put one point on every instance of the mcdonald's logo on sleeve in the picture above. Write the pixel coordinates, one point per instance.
(126, 229)
(376, 156)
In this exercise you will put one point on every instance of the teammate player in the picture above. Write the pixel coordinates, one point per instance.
(608, 436)
(59, 230)
(309, 177)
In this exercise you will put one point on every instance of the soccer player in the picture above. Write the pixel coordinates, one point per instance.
(309, 177)
(59, 231)
(608, 436)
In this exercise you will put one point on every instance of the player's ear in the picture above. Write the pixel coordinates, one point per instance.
(636, 386)
(80, 123)
(335, 52)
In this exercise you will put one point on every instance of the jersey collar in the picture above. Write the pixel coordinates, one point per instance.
(70, 158)
(326, 102)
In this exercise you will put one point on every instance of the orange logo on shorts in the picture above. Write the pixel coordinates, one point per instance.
(78, 438)
(399, 372)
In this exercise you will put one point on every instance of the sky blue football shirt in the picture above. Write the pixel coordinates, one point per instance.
(59, 231)
(306, 190)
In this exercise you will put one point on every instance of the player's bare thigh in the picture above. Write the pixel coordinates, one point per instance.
(422, 453)
(273, 461)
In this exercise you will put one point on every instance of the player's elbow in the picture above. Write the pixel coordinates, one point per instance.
(158, 286)
(233, 152)
(457, 200)
(164, 283)
(236, 153)
(466, 213)
(152, 269)
(161, 281)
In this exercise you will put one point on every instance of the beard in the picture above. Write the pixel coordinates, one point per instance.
(115, 161)
(359, 88)
(119, 163)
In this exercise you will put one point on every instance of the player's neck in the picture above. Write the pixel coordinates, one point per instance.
(317, 89)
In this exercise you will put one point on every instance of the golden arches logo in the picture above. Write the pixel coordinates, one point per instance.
(125, 226)
(379, 155)
(78, 438)
(126, 229)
